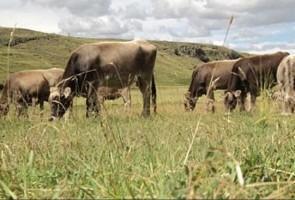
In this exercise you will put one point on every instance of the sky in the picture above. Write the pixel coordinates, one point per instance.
(259, 26)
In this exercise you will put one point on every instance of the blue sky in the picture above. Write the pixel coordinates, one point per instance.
(260, 25)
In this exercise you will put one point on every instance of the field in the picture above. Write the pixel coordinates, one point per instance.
(173, 154)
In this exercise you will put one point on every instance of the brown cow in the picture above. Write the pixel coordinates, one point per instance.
(1, 86)
(205, 79)
(249, 75)
(286, 84)
(111, 64)
(28, 88)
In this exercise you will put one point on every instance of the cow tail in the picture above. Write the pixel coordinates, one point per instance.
(154, 94)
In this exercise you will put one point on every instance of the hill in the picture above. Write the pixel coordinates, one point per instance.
(35, 50)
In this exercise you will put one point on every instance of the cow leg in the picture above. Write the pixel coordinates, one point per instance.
(287, 105)
(22, 109)
(21, 104)
(242, 101)
(250, 102)
(210, 101)
(87, 107)
(125, 93)
(93, 103)
(253, 102)
(145, 89)
(41, 102)
(34, 101)
(41, 105)
(90, 105)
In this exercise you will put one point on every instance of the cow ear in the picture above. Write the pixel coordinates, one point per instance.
(237, 93)
(67, 92)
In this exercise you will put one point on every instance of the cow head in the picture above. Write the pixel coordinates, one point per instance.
(60, 100)
(189, 102)
(231, 99)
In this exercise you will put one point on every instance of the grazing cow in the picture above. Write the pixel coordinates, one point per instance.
(249, 75)
(205, 79)
(286, 84)
(28, 88)
(110, 64)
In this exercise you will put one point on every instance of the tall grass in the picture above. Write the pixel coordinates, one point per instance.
(122, 155)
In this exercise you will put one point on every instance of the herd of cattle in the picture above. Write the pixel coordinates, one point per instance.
(106, 70)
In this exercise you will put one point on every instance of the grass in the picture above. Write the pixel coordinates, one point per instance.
(173, 154)
(123, 155)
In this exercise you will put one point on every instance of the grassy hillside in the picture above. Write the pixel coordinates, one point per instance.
(34, 50)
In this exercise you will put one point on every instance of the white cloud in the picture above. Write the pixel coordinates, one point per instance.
(84, 8)
(256, 21)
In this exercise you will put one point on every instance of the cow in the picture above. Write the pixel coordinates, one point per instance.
(28, 88)
(249, 75)
(286, 84)
(205, 79)
(110, 64)
(1, 86)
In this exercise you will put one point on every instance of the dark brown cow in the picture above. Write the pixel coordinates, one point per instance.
(110, 64)
(28, 88)
(249, 75)
(1, 86)
(286, 84)
(205, 79)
